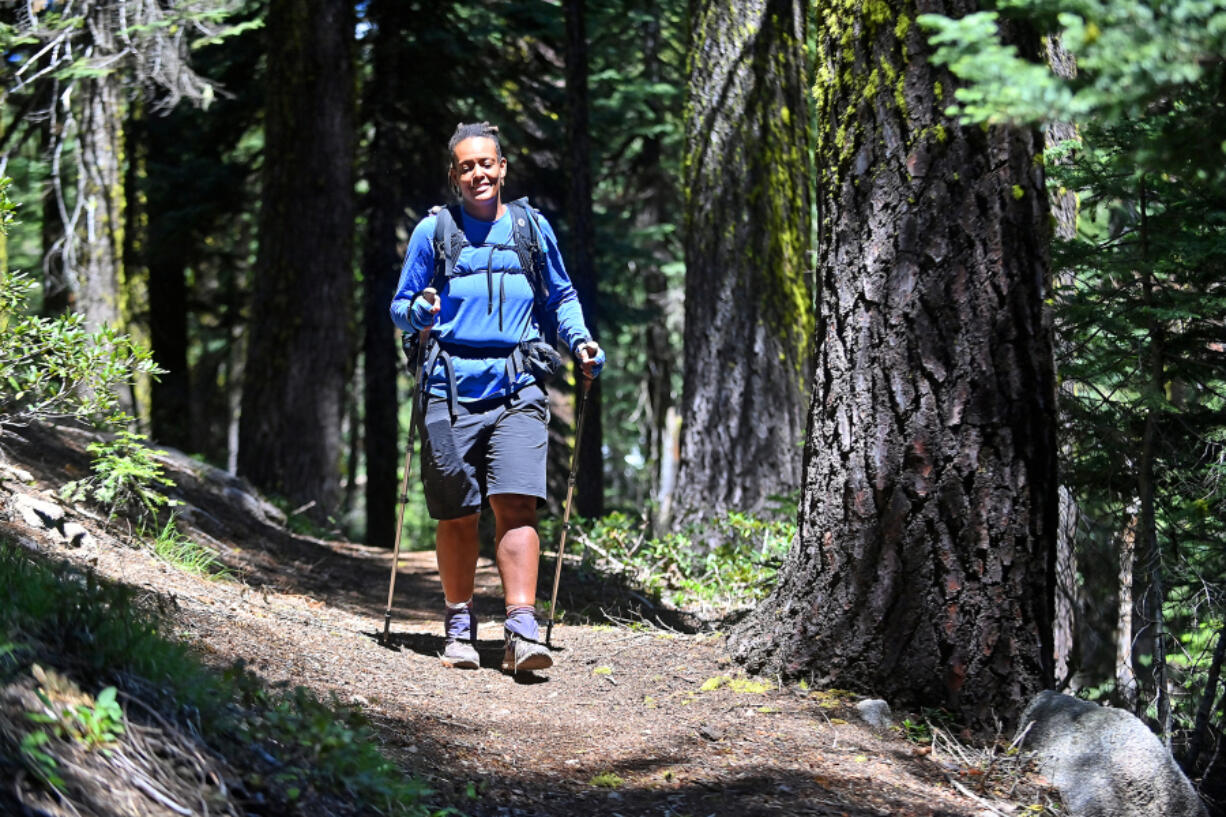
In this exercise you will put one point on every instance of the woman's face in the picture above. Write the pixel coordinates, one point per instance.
(478, 172)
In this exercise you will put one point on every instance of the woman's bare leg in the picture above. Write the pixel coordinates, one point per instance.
(519, 549)
(456, 547)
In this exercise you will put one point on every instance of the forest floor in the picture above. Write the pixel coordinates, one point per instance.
(635, 718)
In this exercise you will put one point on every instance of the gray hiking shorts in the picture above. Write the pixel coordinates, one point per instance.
(495, 446)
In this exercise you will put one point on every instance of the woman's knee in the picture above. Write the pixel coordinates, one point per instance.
(514, 510)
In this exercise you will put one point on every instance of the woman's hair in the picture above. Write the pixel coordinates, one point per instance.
(469, 130)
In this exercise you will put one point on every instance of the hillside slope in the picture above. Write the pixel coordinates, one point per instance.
(634, 719)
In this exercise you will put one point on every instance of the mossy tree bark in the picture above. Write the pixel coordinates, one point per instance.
(748, 309)
(922, 566)
(300, 339)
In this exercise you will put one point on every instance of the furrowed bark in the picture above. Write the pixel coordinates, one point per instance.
(923, 562)
(748, 306)
(299, 349)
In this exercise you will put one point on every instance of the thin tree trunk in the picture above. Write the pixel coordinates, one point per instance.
(58, 294)
(922, 569)
(160, 251)
(657, 202)
(589, 488)
(381, 268)
(1064, 621)
(748, 306)
(1204, 709)
(1151, 551)
(1063, 206)
(1125, 676)
(100, 231)
(299, 341)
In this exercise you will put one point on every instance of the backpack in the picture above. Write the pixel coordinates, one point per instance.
(449, 240)
(538, 357)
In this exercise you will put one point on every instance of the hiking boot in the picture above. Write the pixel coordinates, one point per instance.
(524, 651)
(460, 651)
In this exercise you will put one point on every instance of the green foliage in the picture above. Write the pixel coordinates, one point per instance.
(93, 723)
(126, 478)
(291, 744)
(737, 573)
(1140, 298)
(328, 747)
(1128, 52)
(1134, 59)
(186, 554)
(607, 780)
(916, 731)
(54, 369)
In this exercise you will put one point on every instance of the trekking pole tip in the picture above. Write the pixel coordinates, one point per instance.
(387, 625)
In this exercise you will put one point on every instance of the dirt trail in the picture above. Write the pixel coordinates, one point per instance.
(631, 720)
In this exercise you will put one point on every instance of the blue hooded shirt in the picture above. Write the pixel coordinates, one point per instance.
(487, 305)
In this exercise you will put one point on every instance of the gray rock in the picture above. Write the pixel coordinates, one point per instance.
(1104, 761)
(13, 472)
(37, 513)
(875, 712)
(75, 536)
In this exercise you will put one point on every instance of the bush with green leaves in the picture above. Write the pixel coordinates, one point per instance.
(55, 368)
(735, 574)
(127, 478)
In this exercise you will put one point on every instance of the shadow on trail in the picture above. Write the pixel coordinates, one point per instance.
(489, 650)
(226, 515)
(684, 775)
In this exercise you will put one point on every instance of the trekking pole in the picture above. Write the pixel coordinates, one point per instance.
(570, 494)
(422, 338)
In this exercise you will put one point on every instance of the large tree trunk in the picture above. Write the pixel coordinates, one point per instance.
(748, 308)
(589, 488)
(299, 350)
(922, 566)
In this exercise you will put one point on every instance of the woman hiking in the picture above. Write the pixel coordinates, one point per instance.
(469, 280)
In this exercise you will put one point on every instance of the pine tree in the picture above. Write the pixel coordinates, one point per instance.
(748, 308)
(921, 569)
(299, 351)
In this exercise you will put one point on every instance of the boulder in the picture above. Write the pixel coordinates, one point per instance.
(1104, 761)
(875, 712)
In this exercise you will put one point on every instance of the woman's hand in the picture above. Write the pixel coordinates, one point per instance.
(591, 358)
(425, 306)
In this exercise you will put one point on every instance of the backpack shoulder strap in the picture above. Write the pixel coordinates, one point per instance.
(526, 234)
(448, 241)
